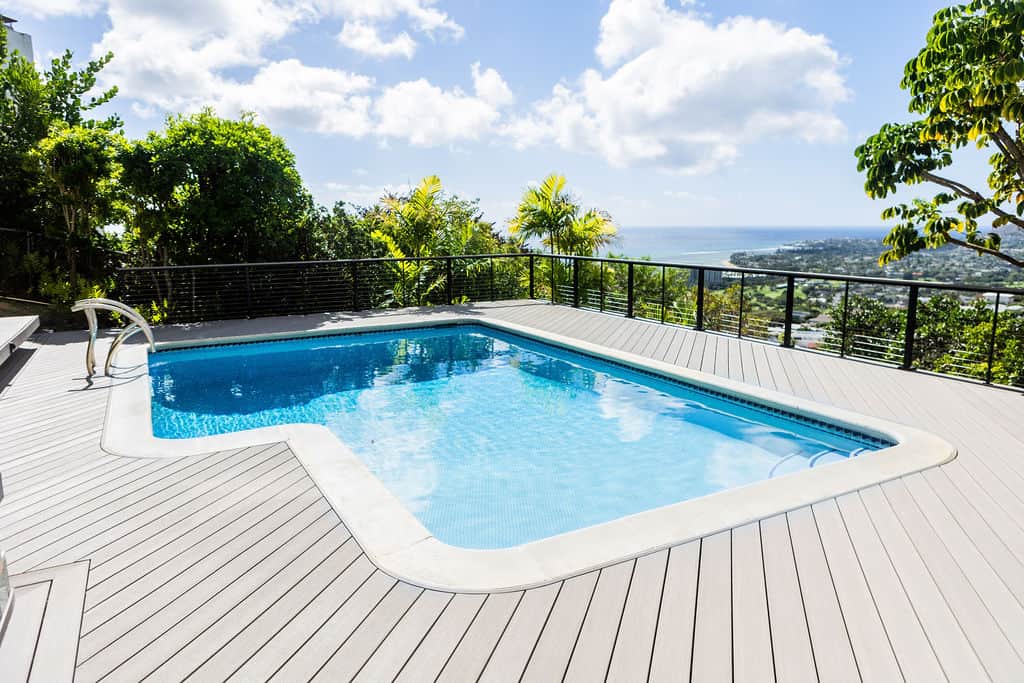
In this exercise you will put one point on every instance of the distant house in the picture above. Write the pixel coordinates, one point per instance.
(17, 41)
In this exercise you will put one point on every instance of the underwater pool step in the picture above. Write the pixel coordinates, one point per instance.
(794, 462)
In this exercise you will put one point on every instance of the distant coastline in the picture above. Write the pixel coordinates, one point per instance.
(715, 246)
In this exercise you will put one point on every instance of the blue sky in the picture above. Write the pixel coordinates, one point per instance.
(663, 113)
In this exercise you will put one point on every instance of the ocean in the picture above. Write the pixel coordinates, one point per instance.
(713, 246)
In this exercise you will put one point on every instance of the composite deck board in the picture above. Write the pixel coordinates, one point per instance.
(591, 656)
(233, 566)
(550, 656)
(712, 630)
(631, 656)
(751, 633)
(499, 615)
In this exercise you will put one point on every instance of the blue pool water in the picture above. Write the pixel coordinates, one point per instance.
(492, 439)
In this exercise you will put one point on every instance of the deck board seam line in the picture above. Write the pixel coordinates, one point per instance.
(451, 596)
(91, 463)
(938, 589)
(248, 477)
(299, 611)
(100, 530)
(248, 595)
(899, 579)
(622, 611)
(657, 615)
(458, 642)
(540, 632)
(241, 502)
(344, 602)
(800, 593)
(198, 607)
(835, 591)
(216, 569)
(579, 631)
(732, 606)
(252, 510)
(966, 575)
(970, 500)
(386, 635)
(395, 583)
(767, 603)
(956, 519)
(696, 595)
(871, 592)
(171, 469)
(112, 491)
(81, 618)
(497, 641)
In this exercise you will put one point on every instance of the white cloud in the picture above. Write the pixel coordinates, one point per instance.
(41, 9)
(365, 38)
(421, 13)
(425, 115)
(362, 194)
(491, 87)
(365, 18)
(686, 94)
(289, 93)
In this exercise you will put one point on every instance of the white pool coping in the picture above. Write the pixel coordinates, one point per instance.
(401, 546)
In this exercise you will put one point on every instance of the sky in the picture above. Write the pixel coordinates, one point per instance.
(663, 113)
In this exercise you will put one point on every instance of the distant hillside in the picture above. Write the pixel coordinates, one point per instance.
(851, 256)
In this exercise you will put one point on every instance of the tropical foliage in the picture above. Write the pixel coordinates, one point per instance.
(548, 212)
(212, 190)
(965, 89)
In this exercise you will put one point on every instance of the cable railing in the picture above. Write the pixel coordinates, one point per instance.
(954, 329)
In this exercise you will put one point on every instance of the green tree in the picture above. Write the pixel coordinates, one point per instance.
(427, 222)
(77, 166)
(31, 104)
(214, 190)
(965, 87)
(550, 213)
(871, 327)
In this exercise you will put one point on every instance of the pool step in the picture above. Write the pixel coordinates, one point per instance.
(794, 462)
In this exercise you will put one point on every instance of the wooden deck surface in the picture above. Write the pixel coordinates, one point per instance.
(233, 566)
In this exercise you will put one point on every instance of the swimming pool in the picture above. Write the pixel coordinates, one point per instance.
(491, 439)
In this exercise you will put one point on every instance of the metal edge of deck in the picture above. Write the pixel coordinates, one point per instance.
(401, 546)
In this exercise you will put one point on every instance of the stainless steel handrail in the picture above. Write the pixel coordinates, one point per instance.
(138, 324)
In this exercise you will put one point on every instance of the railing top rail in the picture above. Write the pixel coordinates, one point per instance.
(801, 275)
(322, 262)
(860, 279)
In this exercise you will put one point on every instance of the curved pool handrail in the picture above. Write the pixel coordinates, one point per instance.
(138, 324)
(818, 456)
(771, 472)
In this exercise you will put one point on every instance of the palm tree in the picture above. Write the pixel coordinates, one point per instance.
(546, 211)
(588, 233)
(550, 213)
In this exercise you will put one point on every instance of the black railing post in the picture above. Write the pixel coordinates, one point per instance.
(531, 276)
(449, 285)
(248, 294)
(576, 283)
(787, 334)
(492, 278)
(739, 318)
(846, 313)
(552, 264)
(629, 291)
(992, 341)
(663, 295)
(601, 287)
(698, 315)
(910, 330)
(355, 285)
